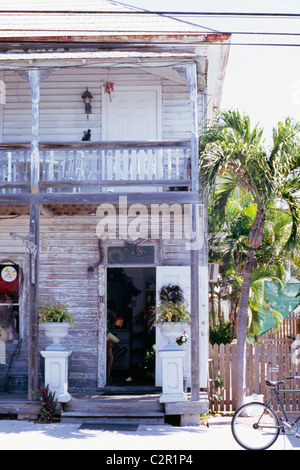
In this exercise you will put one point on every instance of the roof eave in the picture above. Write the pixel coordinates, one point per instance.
(128, 37)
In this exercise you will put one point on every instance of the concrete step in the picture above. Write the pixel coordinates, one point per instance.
(113, 417)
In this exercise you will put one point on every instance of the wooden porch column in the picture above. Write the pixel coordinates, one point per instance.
(195, 333)
(34, 79)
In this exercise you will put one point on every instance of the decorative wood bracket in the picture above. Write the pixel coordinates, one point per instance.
(182, 72)
(28, 241)
(43, 74)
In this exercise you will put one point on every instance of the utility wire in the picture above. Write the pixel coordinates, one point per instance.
(147, 12)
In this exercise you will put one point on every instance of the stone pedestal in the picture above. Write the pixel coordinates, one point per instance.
(56, 373)
(172, 374)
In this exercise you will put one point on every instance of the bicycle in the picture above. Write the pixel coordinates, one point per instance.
(256, 426)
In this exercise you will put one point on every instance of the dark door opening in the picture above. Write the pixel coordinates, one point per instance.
(131, 295)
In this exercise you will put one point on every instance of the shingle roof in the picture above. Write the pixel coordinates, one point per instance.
(33, 17)
(65, 5)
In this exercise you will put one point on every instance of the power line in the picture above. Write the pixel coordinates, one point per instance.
(146, 12)
(226, 14)
(259, 44)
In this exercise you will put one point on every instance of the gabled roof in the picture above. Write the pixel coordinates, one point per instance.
(25, 19)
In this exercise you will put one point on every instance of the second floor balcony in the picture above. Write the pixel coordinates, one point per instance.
(93, 167)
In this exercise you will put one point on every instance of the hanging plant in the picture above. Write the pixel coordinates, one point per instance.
(172, 307)
(109, 86)
(171, 293)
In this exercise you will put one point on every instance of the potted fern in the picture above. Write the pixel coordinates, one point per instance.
(55, 319)
(171, 314)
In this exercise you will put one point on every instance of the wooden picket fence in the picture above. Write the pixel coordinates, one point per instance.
(286, 333)
(264, 362)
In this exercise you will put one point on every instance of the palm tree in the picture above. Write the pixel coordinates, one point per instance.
(231, 156)
(228, 247)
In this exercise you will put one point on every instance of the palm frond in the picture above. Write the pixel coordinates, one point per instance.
(294, 206)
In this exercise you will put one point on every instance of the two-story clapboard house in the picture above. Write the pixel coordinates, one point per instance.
(102, 223)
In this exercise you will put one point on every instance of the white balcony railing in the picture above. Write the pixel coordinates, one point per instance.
(104, 164)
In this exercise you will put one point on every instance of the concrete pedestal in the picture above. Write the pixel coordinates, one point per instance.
(172, 374)
(56, 373)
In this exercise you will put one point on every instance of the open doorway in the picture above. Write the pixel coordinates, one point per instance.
(131, 296)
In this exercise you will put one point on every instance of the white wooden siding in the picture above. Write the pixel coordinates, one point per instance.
(62, 116)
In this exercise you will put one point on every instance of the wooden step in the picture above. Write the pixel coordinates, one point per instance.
(22, 409)
(114, 403)
(126, 409)
(113, 417)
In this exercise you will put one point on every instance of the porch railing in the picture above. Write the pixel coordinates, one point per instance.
(78, 166)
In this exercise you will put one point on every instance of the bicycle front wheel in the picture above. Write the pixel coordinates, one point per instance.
(255, 427)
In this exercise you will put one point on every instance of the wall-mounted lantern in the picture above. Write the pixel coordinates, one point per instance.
(90, 272)
(87, 99)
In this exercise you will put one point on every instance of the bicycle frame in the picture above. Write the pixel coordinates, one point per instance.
(263, 418)
(275, 394)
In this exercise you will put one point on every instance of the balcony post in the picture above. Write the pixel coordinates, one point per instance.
(34, 79)
(34, 82)
(195, 330)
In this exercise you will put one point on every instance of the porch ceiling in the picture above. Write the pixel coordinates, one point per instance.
(165, 65)
(100, 55)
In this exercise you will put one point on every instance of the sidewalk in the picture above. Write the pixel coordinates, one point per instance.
(23, 435)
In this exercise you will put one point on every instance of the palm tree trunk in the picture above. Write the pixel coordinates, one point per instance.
(255, 241)
(242, 324)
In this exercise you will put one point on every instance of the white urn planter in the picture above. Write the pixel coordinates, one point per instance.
(56, 332)
(173, 331)
(56, 360)
(173, 357)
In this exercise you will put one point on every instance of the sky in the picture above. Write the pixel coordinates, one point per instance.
(261, 81)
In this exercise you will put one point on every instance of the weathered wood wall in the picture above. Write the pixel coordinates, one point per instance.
(62, 116)
(68, 246)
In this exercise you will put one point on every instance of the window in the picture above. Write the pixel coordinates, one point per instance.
(9, 302)
(131, 254)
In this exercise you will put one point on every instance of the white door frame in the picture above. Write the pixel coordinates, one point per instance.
(102, 327)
